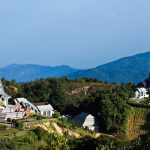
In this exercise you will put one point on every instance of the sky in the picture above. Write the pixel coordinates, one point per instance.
(80, 33)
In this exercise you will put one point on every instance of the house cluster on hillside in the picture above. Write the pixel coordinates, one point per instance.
(21, 107)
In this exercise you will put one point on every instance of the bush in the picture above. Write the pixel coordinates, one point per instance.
(35, 115)
(56, 115)
(140, 105)
(41, 133)
(64, 119)
(3, 127)
(39, 117)
(18, 124)
(8, 119)
(74, 124)
(13, 121)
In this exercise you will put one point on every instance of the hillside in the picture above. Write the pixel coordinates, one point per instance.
(134, 68)
(25, 73)
(138, 122)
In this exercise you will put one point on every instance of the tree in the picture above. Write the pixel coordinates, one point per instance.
(106, 82)
(58, 100)
(96, 80)
(7, 83)
(8, 119)
(101, 82)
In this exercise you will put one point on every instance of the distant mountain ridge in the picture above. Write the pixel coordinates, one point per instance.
(133, 68)
(30, 72)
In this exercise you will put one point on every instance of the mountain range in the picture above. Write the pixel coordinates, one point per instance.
(134, 68)
(30, 72)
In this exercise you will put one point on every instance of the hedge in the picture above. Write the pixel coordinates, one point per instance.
(138, 105)
(3, 127)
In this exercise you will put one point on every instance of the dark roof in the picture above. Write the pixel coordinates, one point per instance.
(40, 103)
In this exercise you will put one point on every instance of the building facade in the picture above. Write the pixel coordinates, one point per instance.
(3, 97)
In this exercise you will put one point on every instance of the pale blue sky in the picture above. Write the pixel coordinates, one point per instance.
(80, 33)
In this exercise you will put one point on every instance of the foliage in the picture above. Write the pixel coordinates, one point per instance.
(9, 119)
(3, 127)
(64, 119)
(58, 100)
(18, 124)
(38, 117)
(56, 114)
(139, 105)
(13, 120)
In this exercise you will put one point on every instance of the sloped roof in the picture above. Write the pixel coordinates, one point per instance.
(141, 90)
(45, 107)
(22, 99)
(2, 92)
(85, 119)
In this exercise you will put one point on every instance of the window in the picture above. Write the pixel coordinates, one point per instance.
(48, 113)
(44, 112)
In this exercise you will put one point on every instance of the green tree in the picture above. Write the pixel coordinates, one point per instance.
(9, 119)
(58, 100)
(101, 82)
(106, 82)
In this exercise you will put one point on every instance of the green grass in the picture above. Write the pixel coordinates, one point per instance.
(77, 130)
(3, 122)
(8, 132)
(52, 127)
(83, 133)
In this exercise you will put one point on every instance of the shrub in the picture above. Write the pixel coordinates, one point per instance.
(64, 119)
(3, 127)
(9, 119)
(39, 117)
(41, 133)
(56, 115)
(18, 124)
(35, 115)
(13, 120)
(74, 124)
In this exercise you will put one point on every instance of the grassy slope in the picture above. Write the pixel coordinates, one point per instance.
(138, 122)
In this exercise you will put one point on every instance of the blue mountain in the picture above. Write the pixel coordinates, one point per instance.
(128, 69)
(29, 72)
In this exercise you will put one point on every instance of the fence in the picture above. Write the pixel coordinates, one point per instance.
(32, 122)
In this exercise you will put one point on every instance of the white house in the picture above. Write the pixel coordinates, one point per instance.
(141, 93)
(46, 110)
(3, 97)
(87, 120)
(42, 108)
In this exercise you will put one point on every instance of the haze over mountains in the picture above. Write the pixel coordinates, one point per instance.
(134, 68)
